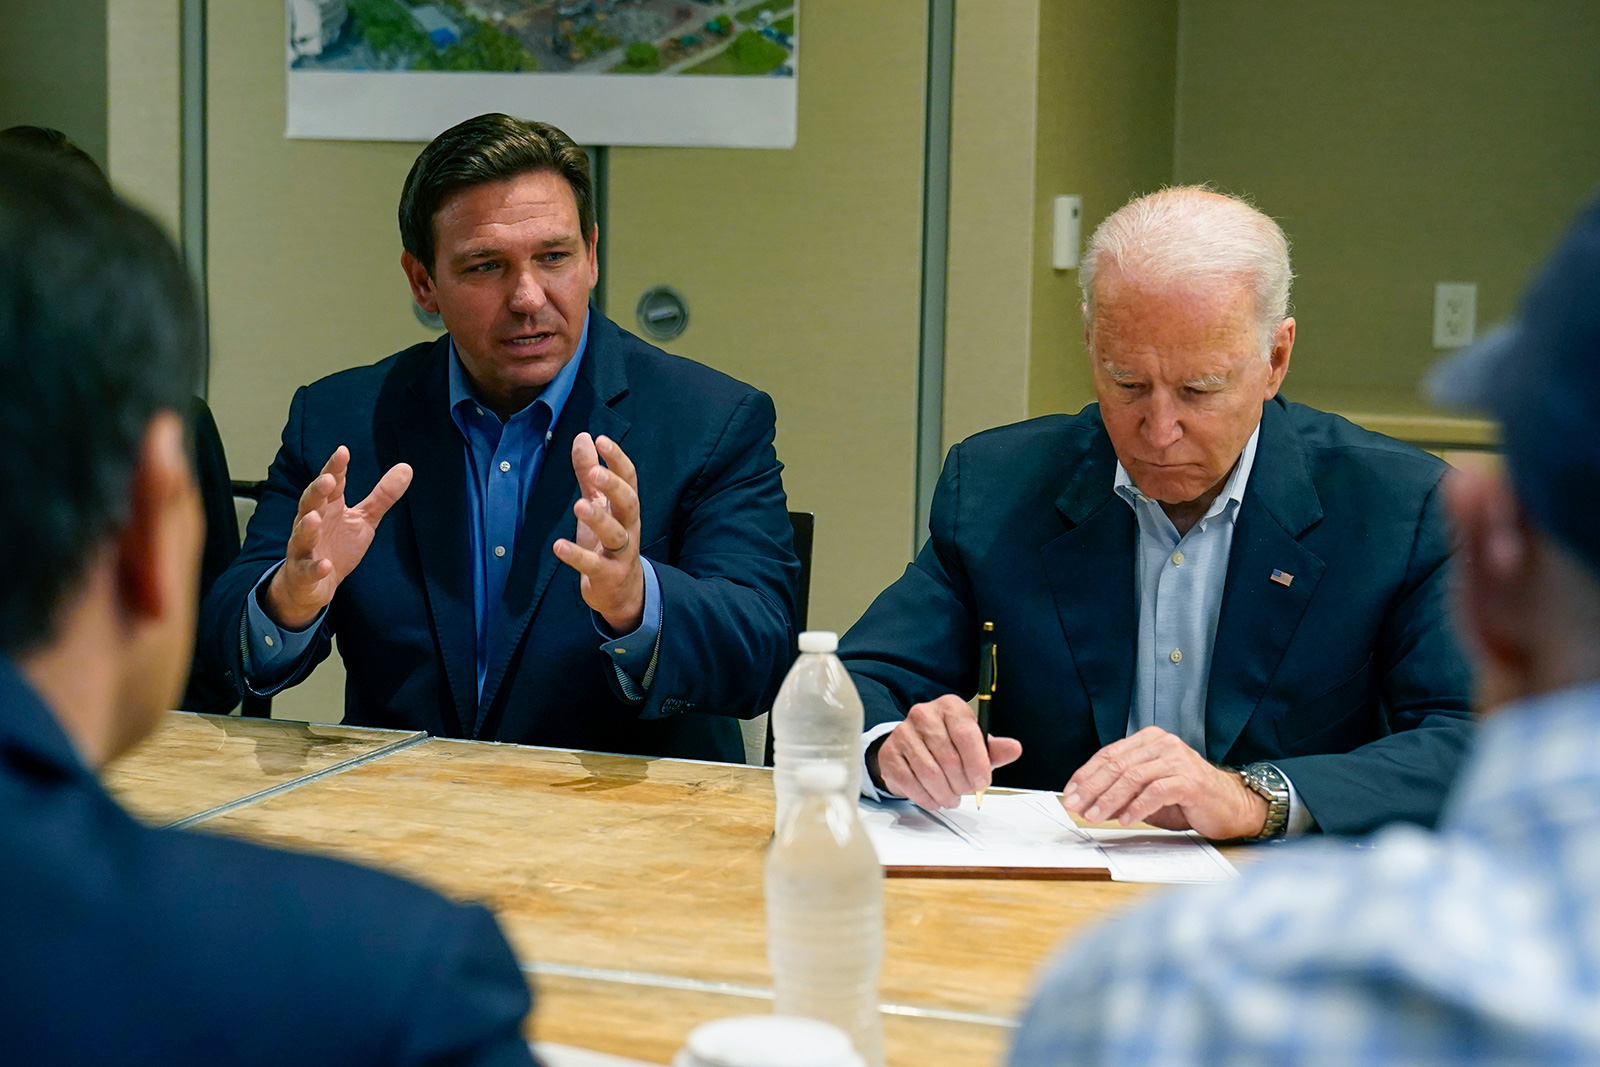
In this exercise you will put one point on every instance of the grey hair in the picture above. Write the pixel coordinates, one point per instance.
(1190, 233)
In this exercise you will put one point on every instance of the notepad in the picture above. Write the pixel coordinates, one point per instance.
(1030, 835)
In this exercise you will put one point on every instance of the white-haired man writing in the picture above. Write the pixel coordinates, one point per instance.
(1480, 942)
(1217, 610)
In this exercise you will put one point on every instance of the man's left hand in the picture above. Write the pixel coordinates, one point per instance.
(1154, 777)
(607, 549)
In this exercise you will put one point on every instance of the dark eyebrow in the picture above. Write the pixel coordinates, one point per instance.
(472, 254)
(483, 252)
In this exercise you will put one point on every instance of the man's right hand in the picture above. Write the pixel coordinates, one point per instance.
(937, 755)
(327, 541)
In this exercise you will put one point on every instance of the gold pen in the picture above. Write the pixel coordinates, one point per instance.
(988, 669)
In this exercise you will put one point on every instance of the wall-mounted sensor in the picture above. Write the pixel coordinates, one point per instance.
(663, 313)
(1064, 253)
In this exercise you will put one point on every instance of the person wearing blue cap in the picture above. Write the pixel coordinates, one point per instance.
(1479, 941)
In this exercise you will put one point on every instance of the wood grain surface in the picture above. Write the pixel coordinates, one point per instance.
(652, 866)
(650, 1024)
(193, 763)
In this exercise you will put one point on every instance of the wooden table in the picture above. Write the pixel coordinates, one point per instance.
(194, 764)
(632, 889)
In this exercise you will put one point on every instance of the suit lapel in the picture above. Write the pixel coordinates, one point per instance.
(416, 420)
(1259, 616)
(601, 382)
(1090, 568)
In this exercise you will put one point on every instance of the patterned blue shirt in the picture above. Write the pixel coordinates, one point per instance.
(1477, 943)
(503, 461)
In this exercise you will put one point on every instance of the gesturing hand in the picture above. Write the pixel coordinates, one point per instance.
(328, 540)
(607, 549)
(937, 754)
(1154, 777)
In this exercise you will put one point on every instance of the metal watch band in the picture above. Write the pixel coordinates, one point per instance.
(1268, 782)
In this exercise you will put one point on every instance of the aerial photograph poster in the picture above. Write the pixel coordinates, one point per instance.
(705, 73)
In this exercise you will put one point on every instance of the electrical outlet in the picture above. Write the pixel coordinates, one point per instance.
(1455, 313)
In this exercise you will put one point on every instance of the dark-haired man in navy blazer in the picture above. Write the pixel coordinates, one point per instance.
(125, 944)
(586, 542)
(1214, 609)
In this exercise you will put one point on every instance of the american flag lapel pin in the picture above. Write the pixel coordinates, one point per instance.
(1282, 579)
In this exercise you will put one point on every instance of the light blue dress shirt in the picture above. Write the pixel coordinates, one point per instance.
(1178, 591)
(503, 461)
(1475, 944)
(1178, 583)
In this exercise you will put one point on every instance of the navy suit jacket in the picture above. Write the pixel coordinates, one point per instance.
(1349, 679)
(714, 524)
(127, 945)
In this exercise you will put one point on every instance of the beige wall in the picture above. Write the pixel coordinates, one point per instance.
(143, 89)
(1052, 97)
(801, 272)
(1107, 74)
(993, 124)
(1400, 145)
(53, 68)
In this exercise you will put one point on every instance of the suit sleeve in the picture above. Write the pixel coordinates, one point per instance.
(1425, 688)
(918, 639)
(222, 634)
(469, 1007)
(728, 592)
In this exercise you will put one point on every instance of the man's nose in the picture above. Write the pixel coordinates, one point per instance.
(1161, 427)
(527, 298)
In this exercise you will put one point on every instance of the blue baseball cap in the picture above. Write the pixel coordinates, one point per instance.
(1539, 376)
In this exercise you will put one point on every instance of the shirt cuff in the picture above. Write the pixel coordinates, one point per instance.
(868, 790)
(1300, 820)
(633, 656)
(274, 651)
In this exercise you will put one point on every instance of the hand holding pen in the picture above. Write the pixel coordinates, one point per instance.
(940, 752)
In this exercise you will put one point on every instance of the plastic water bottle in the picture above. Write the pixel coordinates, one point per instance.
(825, 911)
(816, 718)
(767, 1041)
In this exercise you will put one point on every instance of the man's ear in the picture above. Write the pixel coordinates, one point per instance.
(594, 255)
(421, 280)
(1278, 357)
(1495, 580)
(157, 549)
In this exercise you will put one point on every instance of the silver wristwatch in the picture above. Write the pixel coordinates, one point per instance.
(1268, 782)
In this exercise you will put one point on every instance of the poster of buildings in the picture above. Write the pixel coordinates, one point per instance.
(715, 73)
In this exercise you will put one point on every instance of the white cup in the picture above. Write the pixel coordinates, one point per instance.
(767, 1041)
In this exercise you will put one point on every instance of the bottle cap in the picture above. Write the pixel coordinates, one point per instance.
(767, 1041)
(819, 641)
(820, 776)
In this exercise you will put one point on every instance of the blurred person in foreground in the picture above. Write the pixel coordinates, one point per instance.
(205, 691)
(1479, 942)
(1217, 610)
(125, 944)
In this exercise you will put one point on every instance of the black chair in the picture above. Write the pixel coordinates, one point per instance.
(804, 523)
(206, 691)
(253, 706)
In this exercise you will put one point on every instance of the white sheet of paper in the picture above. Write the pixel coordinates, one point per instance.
(1033, 830)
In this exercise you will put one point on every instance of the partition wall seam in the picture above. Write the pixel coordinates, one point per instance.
(935, 251)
